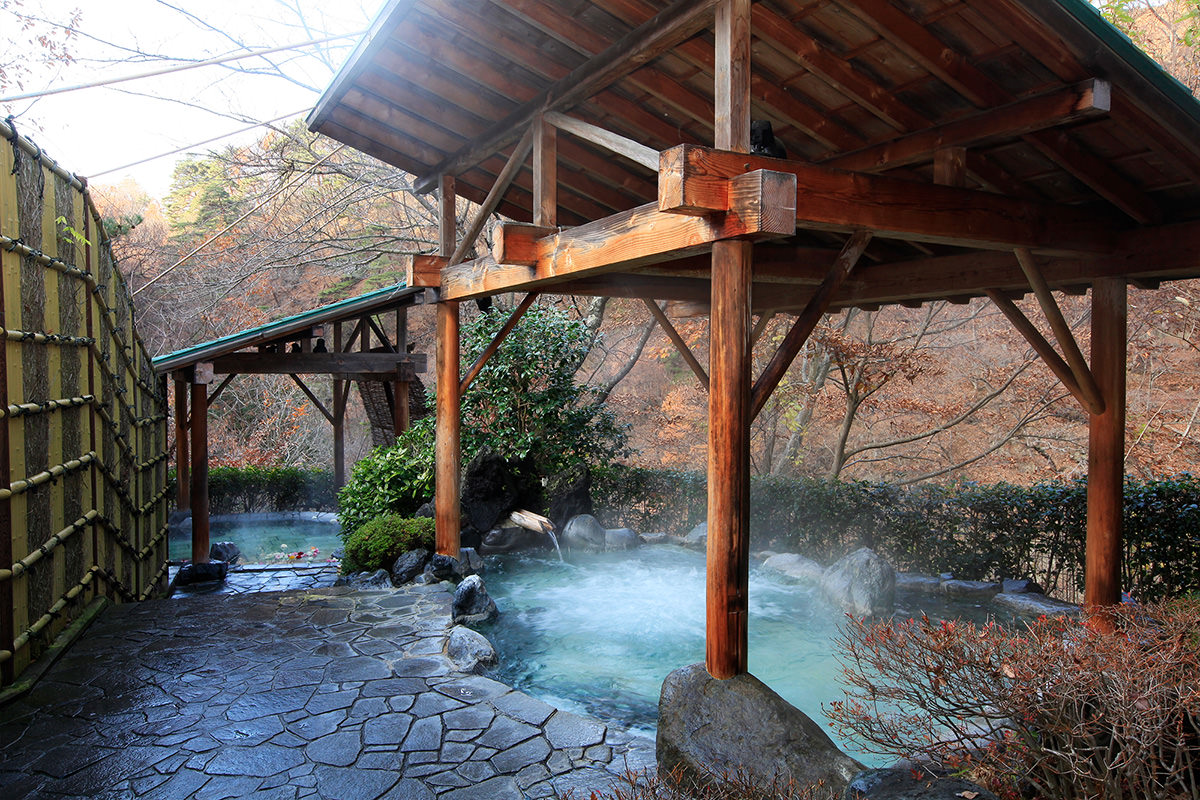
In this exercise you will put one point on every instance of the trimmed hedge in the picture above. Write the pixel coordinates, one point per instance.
(251, 490)
(377, 544)
(976, 531)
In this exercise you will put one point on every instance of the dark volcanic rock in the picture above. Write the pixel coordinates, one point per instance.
(472, 604)
(225, 551)
(570, 494)
(707, 727)
(409, 566)
(489, 490)
(512, 538)
(201, 573)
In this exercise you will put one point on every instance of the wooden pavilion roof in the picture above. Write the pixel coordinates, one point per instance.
(1064, 139)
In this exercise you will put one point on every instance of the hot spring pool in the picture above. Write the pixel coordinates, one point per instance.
(601, 633)
(267, 538)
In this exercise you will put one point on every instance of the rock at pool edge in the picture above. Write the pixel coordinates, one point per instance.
(710, 727)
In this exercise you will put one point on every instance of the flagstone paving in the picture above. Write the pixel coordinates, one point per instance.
(327, 693)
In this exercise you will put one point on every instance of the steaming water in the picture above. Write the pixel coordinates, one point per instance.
(601, 633)
(266, 541)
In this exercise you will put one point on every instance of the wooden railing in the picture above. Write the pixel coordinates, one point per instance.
(83, 470)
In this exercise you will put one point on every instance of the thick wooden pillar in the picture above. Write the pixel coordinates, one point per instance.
(729, 374)
(183, 498)
(339, 417)
(446, 502)
(199, 429)
(1106, 444)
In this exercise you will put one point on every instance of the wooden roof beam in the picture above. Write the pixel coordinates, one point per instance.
(916, 41)
(636, 152)
(759, 207)
(694, 179)
(1088, 99)
(674, 24)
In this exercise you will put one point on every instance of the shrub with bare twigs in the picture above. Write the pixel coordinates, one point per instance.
(736, 785)
(1059, 709)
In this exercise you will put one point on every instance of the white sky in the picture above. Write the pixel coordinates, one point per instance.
(93, 130)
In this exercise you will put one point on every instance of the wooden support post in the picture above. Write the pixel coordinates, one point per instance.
(339, 418)
(448, 454)
(7, 556)
(545, 174)
(1106, 445)
(728, 562)
(199, 428)
(182, 473)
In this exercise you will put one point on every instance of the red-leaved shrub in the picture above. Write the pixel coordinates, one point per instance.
(1057, 709)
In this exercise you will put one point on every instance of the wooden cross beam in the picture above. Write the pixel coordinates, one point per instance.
(696, 180)
(759, 207)
(318, 363)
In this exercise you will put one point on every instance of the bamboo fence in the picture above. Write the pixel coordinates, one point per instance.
(83, 423)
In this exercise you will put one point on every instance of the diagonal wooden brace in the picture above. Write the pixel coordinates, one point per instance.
(1062, 332)
(494, 345)
(684, 351)
(807, 321)
(1039, 344)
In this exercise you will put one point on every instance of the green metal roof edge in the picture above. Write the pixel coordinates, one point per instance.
(1125, 49)
(280, 325)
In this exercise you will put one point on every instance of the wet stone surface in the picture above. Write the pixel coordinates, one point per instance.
(322, 692)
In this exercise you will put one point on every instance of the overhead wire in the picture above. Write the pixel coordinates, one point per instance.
(230, 226)
(197, 144)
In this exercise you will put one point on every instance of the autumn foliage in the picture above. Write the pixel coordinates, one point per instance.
(1058, 709)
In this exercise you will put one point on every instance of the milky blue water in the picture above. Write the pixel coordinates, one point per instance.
(600, 633)
(266, 541)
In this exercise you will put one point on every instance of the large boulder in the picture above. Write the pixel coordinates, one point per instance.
(472, 604)
(908, 783)
(709, 727)
(697, 537)
(795, 567)
(469, 650)
(583, 532)
(621, 539)
(862, 583)
(489, 490)
(569, 495)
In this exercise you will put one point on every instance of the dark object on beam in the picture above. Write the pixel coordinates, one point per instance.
(763, 141)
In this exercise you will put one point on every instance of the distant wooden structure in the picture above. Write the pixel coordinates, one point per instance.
(83, 431)
(936, 150)
(383, 372)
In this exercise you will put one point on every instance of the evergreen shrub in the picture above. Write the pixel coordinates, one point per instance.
(378, 543)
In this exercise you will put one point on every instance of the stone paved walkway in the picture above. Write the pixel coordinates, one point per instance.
(264, 578)
(329, 693)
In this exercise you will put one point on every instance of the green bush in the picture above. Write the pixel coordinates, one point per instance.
(249, 490)
(390, 480)
(378, 543)
(524, 405)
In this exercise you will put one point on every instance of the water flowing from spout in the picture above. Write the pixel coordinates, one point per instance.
(553, 538)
